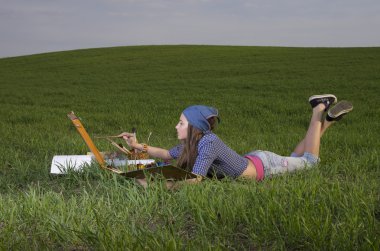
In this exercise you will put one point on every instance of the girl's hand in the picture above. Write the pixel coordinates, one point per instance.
(129, 138)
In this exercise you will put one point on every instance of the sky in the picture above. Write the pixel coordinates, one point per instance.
(37, 26)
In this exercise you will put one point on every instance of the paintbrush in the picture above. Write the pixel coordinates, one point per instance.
(119, 146)
(134, 132)
(150, 134)
(106, 137)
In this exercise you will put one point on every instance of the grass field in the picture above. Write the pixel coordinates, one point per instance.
(261, 94)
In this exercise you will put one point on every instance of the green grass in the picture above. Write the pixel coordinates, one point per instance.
(261, 94)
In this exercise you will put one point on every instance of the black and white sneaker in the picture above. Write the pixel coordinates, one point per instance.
(339, 110)
(326, 99)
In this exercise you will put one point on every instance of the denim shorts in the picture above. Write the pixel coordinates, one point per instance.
(276, 164)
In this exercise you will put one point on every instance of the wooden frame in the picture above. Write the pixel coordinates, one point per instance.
(168, 171)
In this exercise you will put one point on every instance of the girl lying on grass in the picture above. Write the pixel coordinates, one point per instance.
(203, 153)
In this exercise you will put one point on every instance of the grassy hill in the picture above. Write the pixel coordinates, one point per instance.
(261, 94)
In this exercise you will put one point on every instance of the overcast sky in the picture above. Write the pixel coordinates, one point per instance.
(34, 26)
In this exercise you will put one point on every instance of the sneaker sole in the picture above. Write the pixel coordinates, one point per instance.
(324, 96)
(341, 108)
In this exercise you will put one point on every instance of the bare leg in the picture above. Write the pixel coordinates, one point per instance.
(313, 134)
(300, 148)
(316, 129)
(326, 124)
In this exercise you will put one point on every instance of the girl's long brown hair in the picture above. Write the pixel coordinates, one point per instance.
(190, 145)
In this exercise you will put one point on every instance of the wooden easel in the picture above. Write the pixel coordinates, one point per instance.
(82, 131)
(169, 171)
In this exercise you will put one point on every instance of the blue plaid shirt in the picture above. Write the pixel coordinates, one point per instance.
(214, 156)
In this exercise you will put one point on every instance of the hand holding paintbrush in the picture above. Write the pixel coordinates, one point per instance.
(130, 138)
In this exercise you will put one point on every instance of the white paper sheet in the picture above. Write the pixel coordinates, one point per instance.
(61, 163)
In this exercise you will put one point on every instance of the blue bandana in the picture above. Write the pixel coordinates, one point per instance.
(197, 116)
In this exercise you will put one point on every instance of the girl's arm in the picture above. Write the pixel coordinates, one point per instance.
(155, 152)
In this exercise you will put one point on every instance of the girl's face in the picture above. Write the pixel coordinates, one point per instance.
(182, 127)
